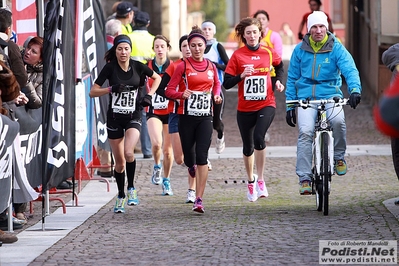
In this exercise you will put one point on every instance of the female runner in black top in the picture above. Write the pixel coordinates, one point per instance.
(125, 77)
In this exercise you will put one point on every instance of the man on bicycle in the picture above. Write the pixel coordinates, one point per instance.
(314, 73)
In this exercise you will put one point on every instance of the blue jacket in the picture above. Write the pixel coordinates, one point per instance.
(318, 75)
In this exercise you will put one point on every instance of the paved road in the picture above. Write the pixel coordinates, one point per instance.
(283, 229)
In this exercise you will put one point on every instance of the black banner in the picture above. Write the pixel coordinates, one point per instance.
(8, 131)
(95, 46)
(58, 92)
(31, 137)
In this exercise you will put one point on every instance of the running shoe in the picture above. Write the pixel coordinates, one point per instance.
(120, 205)
(132, 198)
(191, 170)
(190, 196)
(305, 188)
(220, 145)
(156, 178)
(18, 221)
(209, 165)
(261, 189)
(197, 207)
(252, 193)
(340, 167)
(166, 187)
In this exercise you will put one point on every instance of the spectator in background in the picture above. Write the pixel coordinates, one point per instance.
(386, 113)
(6, 78)
(125, 13)
(9, 92)
(113, 28)
(32, 57)
(142, 51)
(14, 53)
(18, 70)
(113, 9)
(314, 5)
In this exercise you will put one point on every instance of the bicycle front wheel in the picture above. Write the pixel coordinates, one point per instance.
(325, 172)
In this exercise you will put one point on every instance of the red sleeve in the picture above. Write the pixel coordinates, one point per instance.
(171, 90)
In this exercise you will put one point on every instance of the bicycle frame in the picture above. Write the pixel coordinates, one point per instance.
(317, 142)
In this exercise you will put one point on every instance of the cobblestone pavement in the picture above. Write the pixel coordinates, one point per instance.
(283, 229)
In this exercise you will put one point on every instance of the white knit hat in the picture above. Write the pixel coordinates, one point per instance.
(317, 17)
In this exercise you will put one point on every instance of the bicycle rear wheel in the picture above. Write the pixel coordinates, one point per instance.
(325, 173)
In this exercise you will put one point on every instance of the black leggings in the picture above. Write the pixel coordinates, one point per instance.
(253, 127)
(218, 115)
(195, 136)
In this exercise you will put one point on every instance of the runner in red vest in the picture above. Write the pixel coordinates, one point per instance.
(195, 109)
(173, 122)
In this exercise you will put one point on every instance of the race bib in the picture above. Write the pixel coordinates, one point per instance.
(255, 88)
(124, 102)
(159, 102)
(199, 104)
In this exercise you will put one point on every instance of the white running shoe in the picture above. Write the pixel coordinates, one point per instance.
(190, 196)
(156, 178)
(209, 165)
(220, 145)
(252, 193)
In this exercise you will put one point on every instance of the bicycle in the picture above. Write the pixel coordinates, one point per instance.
(322, 149)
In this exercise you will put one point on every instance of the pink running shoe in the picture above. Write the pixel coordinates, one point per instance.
(252, 193)
(262, 189)
(197, 207)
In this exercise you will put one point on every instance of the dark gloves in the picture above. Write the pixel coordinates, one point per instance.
(146, 100)
(118, 88)
(291, 117)
(300, 35)
(354, 99)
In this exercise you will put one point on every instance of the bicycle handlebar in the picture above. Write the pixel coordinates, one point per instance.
(309, 103)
